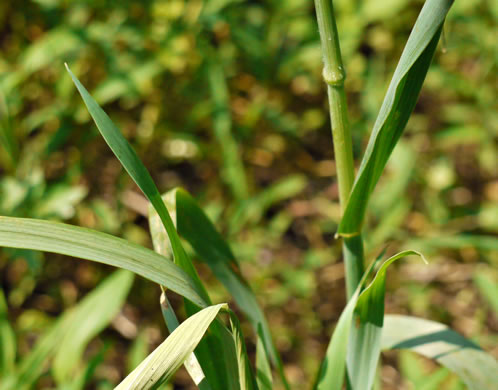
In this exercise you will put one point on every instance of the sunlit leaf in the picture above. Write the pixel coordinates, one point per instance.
(161, 364)
(436, 341)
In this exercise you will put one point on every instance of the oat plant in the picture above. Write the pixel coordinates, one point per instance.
(218, 359)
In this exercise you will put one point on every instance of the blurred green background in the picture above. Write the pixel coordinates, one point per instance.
(225, 99)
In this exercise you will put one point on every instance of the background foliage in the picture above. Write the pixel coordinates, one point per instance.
(225, 99)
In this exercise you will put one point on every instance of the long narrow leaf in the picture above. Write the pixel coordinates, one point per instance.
(131, 162)
(91, 245)
(161, 364)
(396, 109)
(436, 341)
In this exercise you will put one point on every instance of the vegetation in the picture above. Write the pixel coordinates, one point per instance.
(227, 66)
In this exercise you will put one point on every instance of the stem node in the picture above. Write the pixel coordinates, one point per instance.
(334, 77)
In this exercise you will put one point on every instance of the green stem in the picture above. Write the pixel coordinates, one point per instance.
(334, 76)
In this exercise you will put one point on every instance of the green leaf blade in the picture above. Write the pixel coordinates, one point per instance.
(195, 227)
(395, 111)
(161, 364)
(103, 248)
(436, 341)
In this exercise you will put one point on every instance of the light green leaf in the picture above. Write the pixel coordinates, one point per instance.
(436, 341)
(91, 245)
(396, 109)
(88, 322)
(131, 162)
(161, 364)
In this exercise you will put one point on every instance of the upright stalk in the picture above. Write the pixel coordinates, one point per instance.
(334, 76)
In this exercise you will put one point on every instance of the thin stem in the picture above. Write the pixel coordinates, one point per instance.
(334, 76)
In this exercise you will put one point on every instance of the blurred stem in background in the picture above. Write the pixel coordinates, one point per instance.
(233, 170)
(334, 76)
(7, 138)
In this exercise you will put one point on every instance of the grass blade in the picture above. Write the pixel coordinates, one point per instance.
(193, 225)
(436, 341)
(88, 322)
(91, 245)
(161, 364)
(331, 376)
(221, 372)
(263, 369)
(487, 288)
(364, 343)
(131, 162)
(396, 109)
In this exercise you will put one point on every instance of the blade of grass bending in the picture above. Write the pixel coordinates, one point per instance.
(220, 372)
(33, 365)
(161, 364)
(193, 225)
(140, 175)
(331, 375)
(91, 245)
(88, 322)
(364, 341)
(398, 104)
(434, 340)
